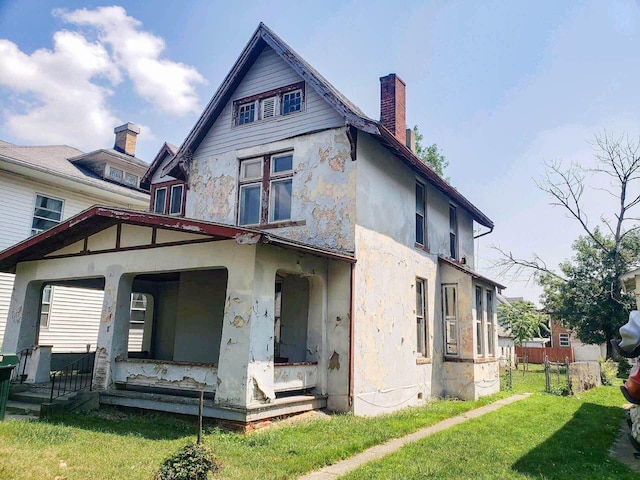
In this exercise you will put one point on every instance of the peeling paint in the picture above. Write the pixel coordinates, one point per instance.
(334, 361)
(238, 322)
(247, 238)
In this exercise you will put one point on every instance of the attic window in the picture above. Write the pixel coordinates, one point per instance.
(115, 173)
(268, 105)
(131, 179)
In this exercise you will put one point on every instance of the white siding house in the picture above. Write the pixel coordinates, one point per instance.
(31, 175)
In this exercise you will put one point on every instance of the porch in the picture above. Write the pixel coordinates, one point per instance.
(243, 321)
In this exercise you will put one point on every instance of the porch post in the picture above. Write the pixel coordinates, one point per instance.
(245, 366)
(113, 332)
(21, 330)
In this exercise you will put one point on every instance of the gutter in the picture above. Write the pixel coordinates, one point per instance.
(485, 233)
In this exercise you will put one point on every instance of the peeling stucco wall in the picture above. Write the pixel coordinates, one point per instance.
(323, 187)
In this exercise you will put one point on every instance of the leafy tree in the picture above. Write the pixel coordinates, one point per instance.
(583, 297)
(523, 320)
(430, 154)
(587, 292)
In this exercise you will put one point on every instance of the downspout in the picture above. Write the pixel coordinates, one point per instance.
(351, 309)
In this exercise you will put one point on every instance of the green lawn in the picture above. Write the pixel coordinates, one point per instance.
(541, 437)
(111, 445)
(531, 381)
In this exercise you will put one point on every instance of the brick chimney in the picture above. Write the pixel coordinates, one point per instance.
(392, 106)
(126, 138)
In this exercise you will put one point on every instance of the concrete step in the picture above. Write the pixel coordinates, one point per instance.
(30, 397)
(23, 408)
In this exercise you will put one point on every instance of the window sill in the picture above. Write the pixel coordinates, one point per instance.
(470, 360)
(424, 248)
(268, 226)
(423, 361)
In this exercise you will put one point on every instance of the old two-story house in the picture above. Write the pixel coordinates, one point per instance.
(41, 186)
(297, 255)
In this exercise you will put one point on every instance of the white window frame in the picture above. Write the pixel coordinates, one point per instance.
(480, 324)
(564, 340)
(242, 187)
(35, 231)
(454, 250)
(139, 325)
(48, 304)
(155, 200)
(116, 178)
(292, 92)
(422, 320)
(134, 177)
(179, 212)
(247, 105)
(276, 107)
(422, 214)
(491, 323)
(452, 346)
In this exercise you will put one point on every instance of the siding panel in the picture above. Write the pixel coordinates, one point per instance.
(268, 72)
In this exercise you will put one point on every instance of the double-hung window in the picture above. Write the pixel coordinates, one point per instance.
(45, 306)
(563, 339)
(450, 315)
(421, 318)
(421, 215)
(265, 189)
(46, 213)
(479, 322)
(491, 325)
(453, 232)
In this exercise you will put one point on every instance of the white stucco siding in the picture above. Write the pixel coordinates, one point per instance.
(323, 187)
(386, 202)
(267, 73)
(389, 373)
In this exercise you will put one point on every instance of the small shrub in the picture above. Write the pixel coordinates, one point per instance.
(608, 371)
(624, 368)
(560, 390)
(191, 462)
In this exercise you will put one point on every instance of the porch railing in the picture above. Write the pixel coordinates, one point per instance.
(74, 377)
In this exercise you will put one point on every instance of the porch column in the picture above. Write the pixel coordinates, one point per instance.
(21, 330)
(113, 332)
(245, 367)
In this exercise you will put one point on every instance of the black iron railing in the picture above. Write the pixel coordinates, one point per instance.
(20, 372)
(74, 377)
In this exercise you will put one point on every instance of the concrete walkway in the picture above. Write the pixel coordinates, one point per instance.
(345, 466)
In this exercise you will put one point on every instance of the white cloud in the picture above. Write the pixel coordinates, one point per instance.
(168, 85)
(62, 95)
(67, 107)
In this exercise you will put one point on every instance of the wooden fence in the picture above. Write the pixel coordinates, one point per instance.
(555, 354)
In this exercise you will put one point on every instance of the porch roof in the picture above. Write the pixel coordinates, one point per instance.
(98, 218)
(466, 269)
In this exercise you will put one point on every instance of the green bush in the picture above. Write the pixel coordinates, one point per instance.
(624, 368)
(191, 462)
(560, 390)
(608, 371)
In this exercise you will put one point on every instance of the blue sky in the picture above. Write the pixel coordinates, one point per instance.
(501, 87)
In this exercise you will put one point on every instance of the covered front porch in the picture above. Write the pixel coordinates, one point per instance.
(252, 320)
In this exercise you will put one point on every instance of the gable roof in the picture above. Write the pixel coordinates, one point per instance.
(178, 167)
(98, 218)
(54, 160)
(167, 149)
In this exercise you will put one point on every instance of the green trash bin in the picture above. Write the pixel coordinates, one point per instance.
(7, 363)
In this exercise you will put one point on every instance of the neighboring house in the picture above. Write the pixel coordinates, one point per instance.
(41, 186)
(302, 257)
(583, 352)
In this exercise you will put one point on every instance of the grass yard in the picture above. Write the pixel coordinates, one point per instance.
(531, 381)
(112, 445)
(541, 437)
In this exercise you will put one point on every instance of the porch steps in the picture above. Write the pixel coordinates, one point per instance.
(23, 408)
(189, 406)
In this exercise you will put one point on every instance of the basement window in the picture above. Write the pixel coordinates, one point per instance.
(268, 105)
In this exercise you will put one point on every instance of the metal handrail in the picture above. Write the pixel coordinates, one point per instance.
(22, 364)
(72, 377)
